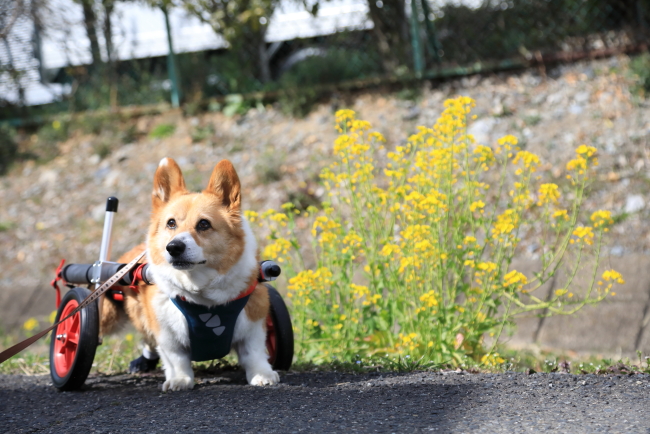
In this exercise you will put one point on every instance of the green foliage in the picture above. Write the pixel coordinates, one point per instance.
(499, 30)
(532, 120)
(55, 131)
(298, 102)
(304, 84)
(103, 149)
(8, 148)
(335, 65)
(201, 133)
(242, 23)
(235, 105)
(640, 69)
(162, 131)
(269, 167)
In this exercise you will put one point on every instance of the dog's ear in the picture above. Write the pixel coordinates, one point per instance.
(224, 183)
(167, 182)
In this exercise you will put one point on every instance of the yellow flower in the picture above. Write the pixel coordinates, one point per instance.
(280, 218)
(614, 276)
(429, 299)
(548, 193)
(251, 216)
(469, 240)
(530, 160)
(587, 151)
(515, 278)
(602, 218)
(506, 222)
(476, 205)
(584, 156)
(492, 359)
(489, 267)
(562, 213)
(277, 250)
(30, 324)
(390, 250)
(585, 233)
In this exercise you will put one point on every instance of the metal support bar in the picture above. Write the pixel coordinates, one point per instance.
(171, 63)
(105, 248)
(418, 61)
(433, 44)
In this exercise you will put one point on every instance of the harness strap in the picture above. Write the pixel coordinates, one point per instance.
(137, 277)
(242, 294)
(248, 291)
(55, 283)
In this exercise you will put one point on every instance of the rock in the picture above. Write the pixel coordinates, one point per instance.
(575, 109)
(112, 178)
(634, 203)
(48, 177)
(94, 159)
(617, 250)
(581, 97)
(98, 212)
(481, 130)
(413, 113)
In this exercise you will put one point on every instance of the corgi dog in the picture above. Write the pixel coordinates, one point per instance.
(201, 250)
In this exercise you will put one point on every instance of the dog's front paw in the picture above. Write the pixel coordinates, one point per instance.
(178, 383)
(266, 379)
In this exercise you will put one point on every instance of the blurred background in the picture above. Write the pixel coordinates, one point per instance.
(76, 55)
(93, 93)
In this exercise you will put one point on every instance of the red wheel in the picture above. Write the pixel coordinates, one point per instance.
(74, 341)
(67, 340)
(279, 332)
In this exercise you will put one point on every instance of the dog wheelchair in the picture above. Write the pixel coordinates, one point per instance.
(75, 340)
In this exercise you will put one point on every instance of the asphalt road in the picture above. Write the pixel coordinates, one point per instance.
(333, 402)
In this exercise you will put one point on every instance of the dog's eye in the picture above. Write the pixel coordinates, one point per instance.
(203, 225)
(171, 224)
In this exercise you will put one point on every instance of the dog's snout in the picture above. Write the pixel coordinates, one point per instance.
(175, 248)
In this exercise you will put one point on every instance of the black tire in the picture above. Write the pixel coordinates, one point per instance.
(72, 373)
(281, 320)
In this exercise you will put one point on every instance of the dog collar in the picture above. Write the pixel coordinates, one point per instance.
(248, 291)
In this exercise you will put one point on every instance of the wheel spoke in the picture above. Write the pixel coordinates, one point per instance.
(62, 328)
(74, 323)
(66, 347)
(69, 357)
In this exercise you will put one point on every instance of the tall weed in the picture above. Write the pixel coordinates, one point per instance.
(412, 255)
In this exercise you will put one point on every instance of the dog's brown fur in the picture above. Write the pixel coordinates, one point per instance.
(169, 184)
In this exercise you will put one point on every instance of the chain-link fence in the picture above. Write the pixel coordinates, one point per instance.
(403, 38)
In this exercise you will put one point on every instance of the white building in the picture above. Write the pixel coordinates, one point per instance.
(139, 32)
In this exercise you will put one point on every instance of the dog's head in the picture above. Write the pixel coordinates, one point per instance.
(196, 230)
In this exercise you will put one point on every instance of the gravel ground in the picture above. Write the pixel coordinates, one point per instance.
(333, 402)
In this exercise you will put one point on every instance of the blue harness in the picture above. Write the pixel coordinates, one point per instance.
(211, 328)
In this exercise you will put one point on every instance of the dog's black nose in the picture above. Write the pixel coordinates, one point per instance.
(175, 248)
